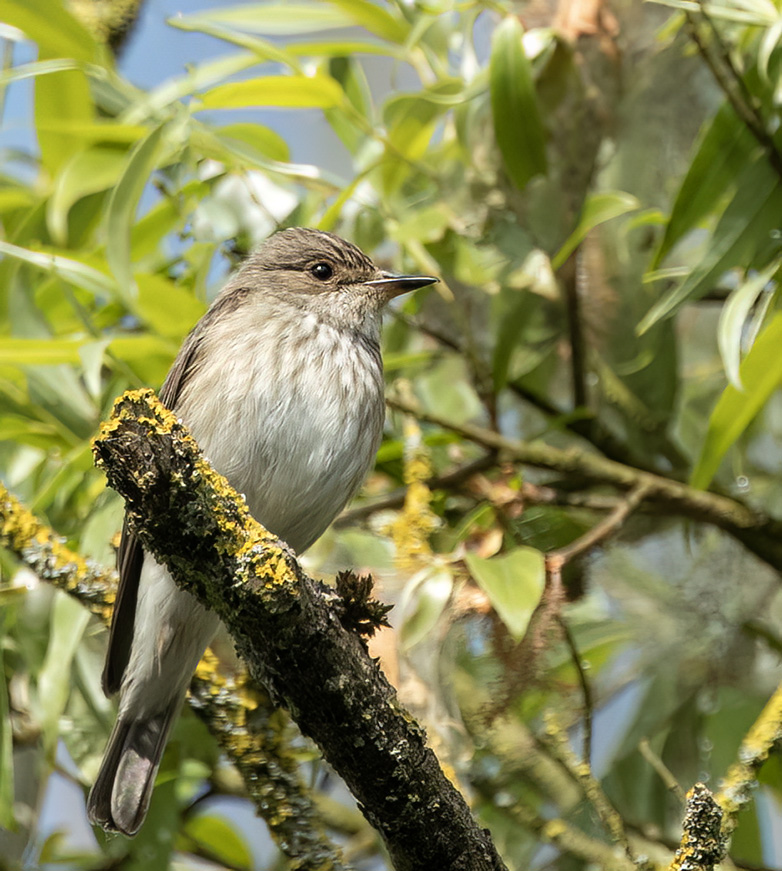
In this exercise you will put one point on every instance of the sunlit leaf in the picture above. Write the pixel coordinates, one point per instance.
(55, 30)
(264, 139)
(762, 14)
(513, 582)
(768, 45)
(170, 310)
(122, 205)
(149, 105)
(263, 49)
(374, 18)
(275, 19)
(517, 125)
(219, 840)
(38, 352)
(423, 601)
(745, 226)
(288, 92)
(97, 131)
(64, 267)
(760, 374)
(65, 98)
(69, 619)
(724, 148)
(598, 208)
(734, 317)
(88, 171)
(37, 68)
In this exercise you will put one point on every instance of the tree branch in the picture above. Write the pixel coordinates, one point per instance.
(758, 532)
(287, 629)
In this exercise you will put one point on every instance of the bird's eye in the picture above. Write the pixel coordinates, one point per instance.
(322, 271)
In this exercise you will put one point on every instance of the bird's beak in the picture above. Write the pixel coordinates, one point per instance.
(392, 285)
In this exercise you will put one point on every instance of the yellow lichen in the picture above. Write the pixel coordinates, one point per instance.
(22, 533)
(735, 789)
(416, 522)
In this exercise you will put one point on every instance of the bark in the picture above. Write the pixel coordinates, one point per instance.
(287, 628)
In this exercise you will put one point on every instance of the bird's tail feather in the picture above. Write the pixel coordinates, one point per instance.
(119, 798)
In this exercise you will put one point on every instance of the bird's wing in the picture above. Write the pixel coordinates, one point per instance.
(130, 556)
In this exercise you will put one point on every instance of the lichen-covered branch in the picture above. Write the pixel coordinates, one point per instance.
(736, 787)
(703, 844)
(710, 820)
(45, 554)
(240, 716)
(287, 629)
(758, 532)
(254, 733)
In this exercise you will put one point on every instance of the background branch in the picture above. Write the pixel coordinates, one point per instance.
(760, 533)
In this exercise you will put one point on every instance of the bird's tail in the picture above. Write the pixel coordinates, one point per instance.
(119, 798)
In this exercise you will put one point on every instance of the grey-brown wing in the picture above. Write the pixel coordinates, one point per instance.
(130, 556)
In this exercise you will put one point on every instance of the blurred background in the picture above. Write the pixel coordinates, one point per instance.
(599, 186)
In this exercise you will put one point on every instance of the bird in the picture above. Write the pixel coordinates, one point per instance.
(281, 384)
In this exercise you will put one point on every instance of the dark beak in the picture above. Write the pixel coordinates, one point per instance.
(392, 285)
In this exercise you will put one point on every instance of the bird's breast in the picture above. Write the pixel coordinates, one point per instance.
(292, 416)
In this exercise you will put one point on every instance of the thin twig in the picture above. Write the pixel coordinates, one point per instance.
(665, 774)
(395, 499)
(586, 688)
(607, 527)
(558, 745)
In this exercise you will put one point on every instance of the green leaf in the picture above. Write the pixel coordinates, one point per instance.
(66, 268)
(37, 68)
(274, 19)
(745, 227)
(149, 106)
(375, 19)
(149, 356)
(168, 309)
(262, 139)
(263, 49)
(97, 131)
(56, 31)
(768, 45)
(122, 205)
(219, 840)
(88, 171)
(760, 373)
(517, 125)
(62, 98)
(734, 316)
(69, 619)
(343, 48)
(288, 92)
(724, 148)
(598, 208)
(411, 120)
(761, 15)
(514, 584)
(39, 352)
(423, 601)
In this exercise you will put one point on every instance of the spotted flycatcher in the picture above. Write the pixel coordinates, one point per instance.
(281, 384)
